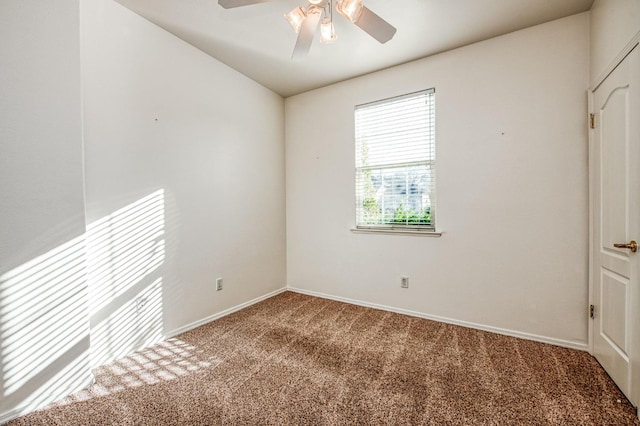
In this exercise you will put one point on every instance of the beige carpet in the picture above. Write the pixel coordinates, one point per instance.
(300, 360)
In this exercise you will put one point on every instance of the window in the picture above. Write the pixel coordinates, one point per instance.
(395, 163)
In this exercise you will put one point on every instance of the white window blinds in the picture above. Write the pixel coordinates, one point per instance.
(395, 162)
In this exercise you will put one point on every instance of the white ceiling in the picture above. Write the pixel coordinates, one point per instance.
(257, 41)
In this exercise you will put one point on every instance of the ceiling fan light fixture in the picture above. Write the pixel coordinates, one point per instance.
(350, 9)
(319, 13)
(295, 18)
(327, 31)
(313, 9)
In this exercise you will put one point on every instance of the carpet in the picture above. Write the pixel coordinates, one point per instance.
(300, 360)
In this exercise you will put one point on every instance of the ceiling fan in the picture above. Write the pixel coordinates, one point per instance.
(305, 21)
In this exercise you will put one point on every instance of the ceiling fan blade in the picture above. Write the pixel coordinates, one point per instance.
(305, 36)
(375, 26)
(229, 4)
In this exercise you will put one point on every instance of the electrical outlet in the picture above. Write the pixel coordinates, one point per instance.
(218, 284)
(404, 282)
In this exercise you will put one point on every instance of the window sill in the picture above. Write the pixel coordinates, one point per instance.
(396, 231)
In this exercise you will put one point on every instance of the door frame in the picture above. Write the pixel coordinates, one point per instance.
(634, 346)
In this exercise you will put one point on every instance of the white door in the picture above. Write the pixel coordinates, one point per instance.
(615, 189)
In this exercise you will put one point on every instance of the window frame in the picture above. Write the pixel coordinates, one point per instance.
(430, 162)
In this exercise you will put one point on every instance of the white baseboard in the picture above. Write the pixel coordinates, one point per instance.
(28, 406)
(223, 313)
(528, 336)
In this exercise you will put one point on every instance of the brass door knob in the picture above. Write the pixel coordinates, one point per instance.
(633, 246)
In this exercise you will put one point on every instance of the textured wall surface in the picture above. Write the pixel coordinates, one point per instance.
(44, 331)
(184, 182)
(511, 140)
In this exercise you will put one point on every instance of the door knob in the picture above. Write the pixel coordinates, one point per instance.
(633, 246)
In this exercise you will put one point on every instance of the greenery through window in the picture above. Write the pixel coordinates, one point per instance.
(395, 162)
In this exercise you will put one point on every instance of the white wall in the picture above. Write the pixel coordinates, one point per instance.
(184, 182)
(44, 331)
(613, 25)
(511, 188)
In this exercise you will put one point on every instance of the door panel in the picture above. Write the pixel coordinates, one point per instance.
(614, 301)
(616, 219)
(613, 129)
